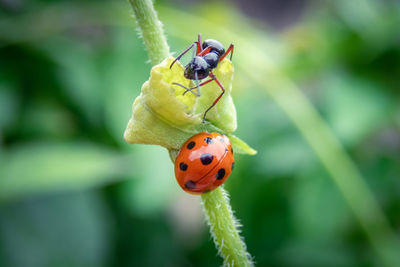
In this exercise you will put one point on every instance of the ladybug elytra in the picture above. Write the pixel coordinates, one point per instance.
(204, 162)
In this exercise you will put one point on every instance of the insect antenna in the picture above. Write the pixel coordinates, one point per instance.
(197, 83)
(187, 89)
(183, 53)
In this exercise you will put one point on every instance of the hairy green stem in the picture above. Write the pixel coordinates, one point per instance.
(223, 226)
(151, 30)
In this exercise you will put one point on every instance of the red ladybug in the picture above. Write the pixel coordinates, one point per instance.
(204, 162)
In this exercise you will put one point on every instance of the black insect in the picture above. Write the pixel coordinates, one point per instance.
(208, 55)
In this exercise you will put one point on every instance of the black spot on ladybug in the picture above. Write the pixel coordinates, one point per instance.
(208, 140)
(233, 165)
(220, 174)
(183, 166)
(206, 158)
(190, 184)
(191, 145)
(232, 150)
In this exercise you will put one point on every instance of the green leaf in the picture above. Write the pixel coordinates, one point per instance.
(38, 168)
(69, 229)
(240, 146)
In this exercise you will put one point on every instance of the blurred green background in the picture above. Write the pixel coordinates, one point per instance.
(73, 193)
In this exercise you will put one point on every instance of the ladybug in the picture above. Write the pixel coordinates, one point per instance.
(204, 162)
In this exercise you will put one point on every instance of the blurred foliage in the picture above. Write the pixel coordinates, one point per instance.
(72, 193)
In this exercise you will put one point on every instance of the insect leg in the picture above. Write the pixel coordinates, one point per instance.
(205, 51)
(230, 50)
(199, 44)
(214, 78)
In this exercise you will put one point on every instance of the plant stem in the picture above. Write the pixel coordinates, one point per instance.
(151, 30)
(223, 226)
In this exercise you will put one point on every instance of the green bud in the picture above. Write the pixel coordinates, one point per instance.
(162, 115)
